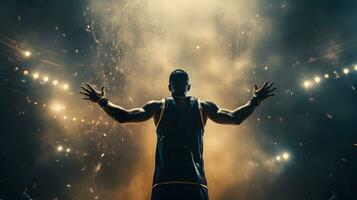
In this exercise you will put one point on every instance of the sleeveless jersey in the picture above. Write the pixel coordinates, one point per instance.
(179, 148)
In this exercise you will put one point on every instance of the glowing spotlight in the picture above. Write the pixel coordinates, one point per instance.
(307, 84)
(55, 82)
(68, 150)
(36, 75)
(286, 156)
(45, 78)
(317, 79)
(355, 67)
(326, 76)
(346, 71)
(278, 158)
(27, 53)
(60, 148)
(57, 107)
(26, 72)
(65, 86)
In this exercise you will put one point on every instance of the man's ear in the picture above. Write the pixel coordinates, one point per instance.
(188, 87)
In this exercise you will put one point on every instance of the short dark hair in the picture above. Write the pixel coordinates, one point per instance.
(178, 75)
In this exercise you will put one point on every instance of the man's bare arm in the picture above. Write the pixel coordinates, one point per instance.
(225, 116)
(237, 116)
(118, 113)
(123, 115)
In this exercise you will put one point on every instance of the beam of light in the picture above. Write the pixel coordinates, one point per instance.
(286, 156)
(307, 84)
(26, 54)
(346, 71)
(65, 86)
(55, 82)
(57, 107)
(59, 148)
(35, 75)
(45, 78)
(317, 79)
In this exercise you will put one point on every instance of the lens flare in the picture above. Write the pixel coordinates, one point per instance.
(317, 79)
(36, 75)
(55, 82)
(57, 107)
(65, 86)
(307, 84)
(286, 156)
(346, 71)
(27, 54)
(59, 148)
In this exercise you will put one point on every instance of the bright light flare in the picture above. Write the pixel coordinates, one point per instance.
(326, 76)
(286, 156)
(355, 67)
(26, 72)
(59, 148)
(278, 158)
(55, 82)
(307, 84)
(57, 107)
(35, 75)
(346, 71)
(65, 86)
(46, 78)
(27, 54)
(317, 79)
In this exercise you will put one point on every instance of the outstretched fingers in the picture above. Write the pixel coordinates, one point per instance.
(265, 84)
(85, 89)
(270, 84)
(84, 93)
(90, 87)
(271, 90)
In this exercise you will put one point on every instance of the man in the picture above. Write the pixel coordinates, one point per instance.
(180, 120)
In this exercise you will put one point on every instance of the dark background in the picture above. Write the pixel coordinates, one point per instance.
(325, 161)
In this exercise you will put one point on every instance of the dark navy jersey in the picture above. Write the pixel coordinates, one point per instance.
(179, 148)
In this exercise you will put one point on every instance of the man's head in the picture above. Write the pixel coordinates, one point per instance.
(179, 82)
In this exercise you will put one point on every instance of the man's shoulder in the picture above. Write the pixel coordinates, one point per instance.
(154, 103)
(207, 103)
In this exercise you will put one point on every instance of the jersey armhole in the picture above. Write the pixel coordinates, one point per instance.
(201, 112)
(162, 109)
